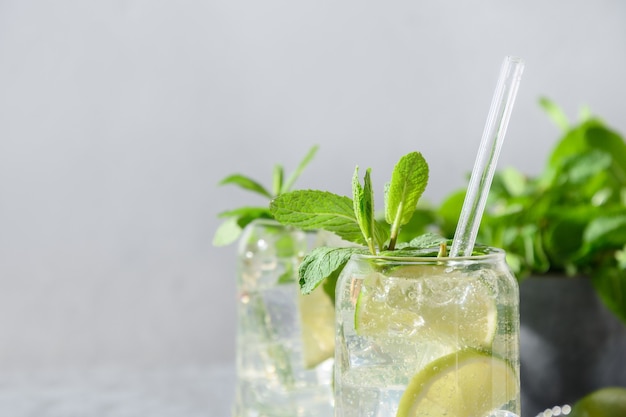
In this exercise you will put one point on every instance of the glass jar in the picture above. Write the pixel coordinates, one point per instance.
(285, 340)
(427, 336)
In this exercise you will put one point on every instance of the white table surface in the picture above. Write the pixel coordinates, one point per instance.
(189, 392)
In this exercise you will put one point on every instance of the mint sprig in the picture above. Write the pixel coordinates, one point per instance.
(354, 219)
(236, 220)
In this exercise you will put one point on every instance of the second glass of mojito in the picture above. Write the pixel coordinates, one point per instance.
(427, 336)
(284, 339)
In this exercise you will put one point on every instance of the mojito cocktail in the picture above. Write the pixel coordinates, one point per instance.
(285, 340)
(428, 336)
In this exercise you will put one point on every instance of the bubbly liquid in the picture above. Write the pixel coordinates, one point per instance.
(390, 328)
(272, 379)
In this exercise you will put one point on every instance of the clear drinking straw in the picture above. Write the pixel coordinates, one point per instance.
(486, 160)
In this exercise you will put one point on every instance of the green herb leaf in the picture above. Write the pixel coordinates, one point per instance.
(330, 283)
(277, 179)
(246, 183)
(324, 262)
(620, 257)
(555, 113)
(363, 203)
(227, 232)
(288, 276)
(423, 220)
(312, 209)
(514, 181)
(563, 235)
(605, 231)
(294, 176)
(601, 138)
(237, 219)
(426, 240)
(590, 136)
(381, 233)
(408, 182)
(242, 212)
(580, 168)
(449, 212)
(246, 215)
(610, 283)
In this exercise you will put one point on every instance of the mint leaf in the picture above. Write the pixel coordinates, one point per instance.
(227, 232)
(237, 219)
(422, 221)
(330, 283)
(363, 203)
(555, 113)
(427, 240)
(243, 212)
(602, 138)
(563, 234)
(246, 215)
(246, 183)
(610, 283)
(277, 179)
(322, 263)
(427, 244)
(513, 181)
(374, 232)
(589, 136)
(605, 231)
(312, 209)
(620, 257)
(287, 277)
(408, 182)
(580, 168)
(294, 176)
(381, 233)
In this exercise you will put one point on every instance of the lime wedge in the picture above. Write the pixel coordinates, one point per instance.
(467, 383)
(317, 316)
(604, 402)
(446, 307)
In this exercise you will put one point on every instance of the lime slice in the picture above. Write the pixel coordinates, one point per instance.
(604, 402)
(467, 383)
(376, 316)
(317, 316)
(450, 307)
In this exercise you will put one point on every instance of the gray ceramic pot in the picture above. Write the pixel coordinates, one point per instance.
(570, 343)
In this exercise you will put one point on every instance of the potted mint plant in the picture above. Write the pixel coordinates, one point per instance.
(564, 231)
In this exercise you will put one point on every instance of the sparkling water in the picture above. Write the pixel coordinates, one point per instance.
(275, 377)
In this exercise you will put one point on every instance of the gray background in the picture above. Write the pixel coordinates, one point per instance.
(118, 119)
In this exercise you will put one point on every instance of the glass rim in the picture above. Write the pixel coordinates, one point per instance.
(492, 253)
